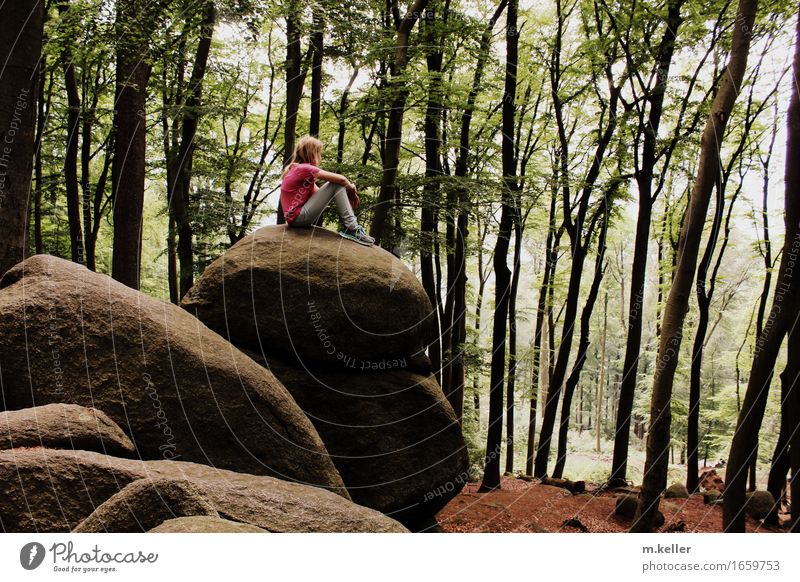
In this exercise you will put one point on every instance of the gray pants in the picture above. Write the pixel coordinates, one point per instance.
(315, 206)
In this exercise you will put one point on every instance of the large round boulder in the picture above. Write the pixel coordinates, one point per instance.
(309, 294)
(178, 389)
(759, 504)
(63, 426)
(49, 490)
(393, 436)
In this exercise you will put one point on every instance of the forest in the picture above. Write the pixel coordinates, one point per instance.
(600, 199)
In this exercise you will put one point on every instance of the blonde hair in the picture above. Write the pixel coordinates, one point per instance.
(308, 150)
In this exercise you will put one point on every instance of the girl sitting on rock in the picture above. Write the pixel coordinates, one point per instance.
(303, 202)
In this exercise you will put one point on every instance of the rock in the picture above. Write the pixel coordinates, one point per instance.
(205, 524)
(677, 527)
(309, 294)
(709, 497)
(759, 504)
(144, 504)
(63, 426)
(393, 437)
(710, 480)
(178, 389)
(626, 506)
(573, 487)
(575, 523)
(676, 491)
(48, 490)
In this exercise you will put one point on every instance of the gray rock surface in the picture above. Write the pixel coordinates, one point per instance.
(49, 490)
(178, 389)
(63, 426)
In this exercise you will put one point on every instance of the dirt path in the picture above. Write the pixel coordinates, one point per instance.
(525, 506)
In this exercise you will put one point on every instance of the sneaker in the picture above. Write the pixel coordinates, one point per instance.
(359, 235)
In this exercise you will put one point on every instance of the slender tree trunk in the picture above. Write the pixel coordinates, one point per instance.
(87, 123)
(644, 180)
(655, 473)
(512, 344)
(172, 262)
(21, 29)
(781, 463)
(343, 116)
(579, 240)
(456, 396)
(179, 198)
(431, 198)
(42, 104)
(71, 150)
(602, 380)
(317, 44)
(294, 83)
(551, 256)
(394, 128)
(491, 475)
(704, 296)
(128, 170)
(583, 344)
(781, 320)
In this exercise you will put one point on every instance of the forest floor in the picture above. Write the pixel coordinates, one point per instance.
(528, 506)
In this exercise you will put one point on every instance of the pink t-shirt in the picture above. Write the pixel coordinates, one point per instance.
(296, 188)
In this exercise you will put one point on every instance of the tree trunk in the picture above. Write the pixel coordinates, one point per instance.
(431, 198)
(21, 26)
(655, 473)
(491, 475)
(583, 343)
(512, 344)
(394, 128)
(579, 240)
(551, 256)
(294, 84)
(42, 105)
(342, 116)
(457, 376)
(782, 318)
(792, 373)
(602, 379)
(71, 150)
(781, 463)
(128, 170)
(87, 123)
(317, 44)
(179, 197)
(644, 180)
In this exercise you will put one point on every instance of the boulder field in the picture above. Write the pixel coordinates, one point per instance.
(291, 392)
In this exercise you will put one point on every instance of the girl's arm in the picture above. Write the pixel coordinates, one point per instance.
(336, 179)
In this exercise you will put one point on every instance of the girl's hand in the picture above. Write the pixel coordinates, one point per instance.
(352, 194)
